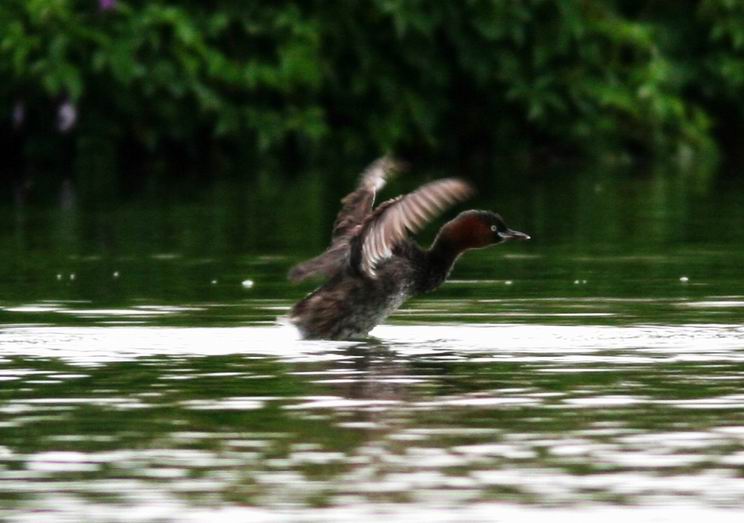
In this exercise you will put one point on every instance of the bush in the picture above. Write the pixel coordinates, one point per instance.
(445, 79)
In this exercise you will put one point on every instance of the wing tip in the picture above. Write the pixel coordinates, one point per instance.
(464, 189)
(381, 170)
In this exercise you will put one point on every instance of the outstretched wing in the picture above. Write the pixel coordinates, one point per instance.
(393, 220)
(355, 208)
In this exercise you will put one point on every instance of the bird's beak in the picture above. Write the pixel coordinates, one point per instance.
(510, 234)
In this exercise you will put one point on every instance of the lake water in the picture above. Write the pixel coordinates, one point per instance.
(594, 372)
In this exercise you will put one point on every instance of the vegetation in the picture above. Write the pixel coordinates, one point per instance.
(474, 78)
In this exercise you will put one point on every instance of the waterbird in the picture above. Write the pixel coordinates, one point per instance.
(372, 266)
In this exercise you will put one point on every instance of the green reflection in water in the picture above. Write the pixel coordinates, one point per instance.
(597, 234)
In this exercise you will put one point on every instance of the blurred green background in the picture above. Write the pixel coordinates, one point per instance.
(129, 89)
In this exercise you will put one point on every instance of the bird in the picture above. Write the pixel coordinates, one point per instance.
(372, 266)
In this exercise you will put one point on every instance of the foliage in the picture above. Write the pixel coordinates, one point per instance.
(473, 77)
(722, 71)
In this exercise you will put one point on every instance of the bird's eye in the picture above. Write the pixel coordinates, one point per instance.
(494, 228)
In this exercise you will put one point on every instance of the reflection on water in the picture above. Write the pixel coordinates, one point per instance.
(593, 373)
(168, 420)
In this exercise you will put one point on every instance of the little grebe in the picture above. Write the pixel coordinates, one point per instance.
(373, 267)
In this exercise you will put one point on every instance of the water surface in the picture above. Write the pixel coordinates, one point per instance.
(594, 372)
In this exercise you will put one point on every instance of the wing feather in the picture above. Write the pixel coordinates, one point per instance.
(356, 207)
(393, 220)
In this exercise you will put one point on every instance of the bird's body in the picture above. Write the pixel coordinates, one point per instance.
(373, 267)
(349, 306)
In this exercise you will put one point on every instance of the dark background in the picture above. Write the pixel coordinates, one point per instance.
(109, 94)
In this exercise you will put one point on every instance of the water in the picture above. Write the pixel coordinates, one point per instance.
(594, 372)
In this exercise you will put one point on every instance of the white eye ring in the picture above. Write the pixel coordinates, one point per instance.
(494, 228)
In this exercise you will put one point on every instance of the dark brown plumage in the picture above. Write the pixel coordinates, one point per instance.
(373, 267)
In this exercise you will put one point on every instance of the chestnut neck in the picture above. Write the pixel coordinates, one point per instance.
(444, 252)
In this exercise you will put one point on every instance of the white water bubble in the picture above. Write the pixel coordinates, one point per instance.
(247, 284)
